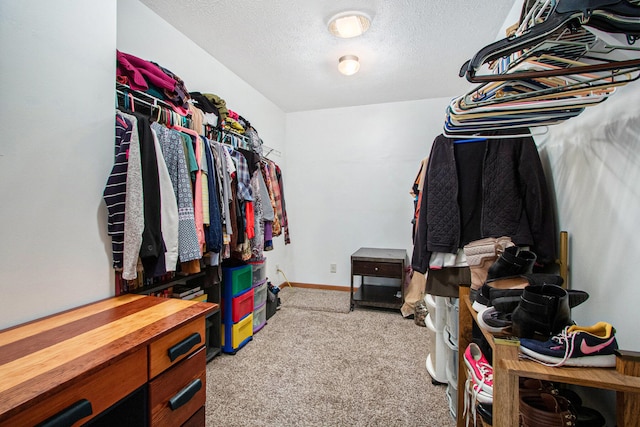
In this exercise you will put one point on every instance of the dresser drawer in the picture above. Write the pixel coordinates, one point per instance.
(196, 420)
(178, 393)
(175, 346)
(381, 269)
(101, 390)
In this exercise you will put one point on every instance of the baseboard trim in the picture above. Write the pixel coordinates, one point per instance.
(316, 286)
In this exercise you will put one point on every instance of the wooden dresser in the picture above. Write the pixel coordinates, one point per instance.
(129, 360)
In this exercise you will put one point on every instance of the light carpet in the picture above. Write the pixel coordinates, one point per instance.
(314, 366)
(315, 299)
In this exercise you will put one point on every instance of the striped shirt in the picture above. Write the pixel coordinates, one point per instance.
(116, 189)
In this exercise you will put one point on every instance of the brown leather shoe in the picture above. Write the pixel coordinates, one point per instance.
(546, 410)
(534, 387)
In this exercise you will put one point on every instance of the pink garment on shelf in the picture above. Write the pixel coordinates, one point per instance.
(234, 115)
(139, 72)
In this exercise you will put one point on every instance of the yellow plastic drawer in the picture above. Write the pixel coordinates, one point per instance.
(240, 331)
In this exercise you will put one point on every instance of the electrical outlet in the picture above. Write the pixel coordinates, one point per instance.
(277, 267)
(333, 268)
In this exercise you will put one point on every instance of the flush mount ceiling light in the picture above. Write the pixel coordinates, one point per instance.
(348, 64)
(349, 24)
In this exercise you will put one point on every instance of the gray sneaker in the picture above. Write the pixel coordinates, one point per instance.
(494, 321)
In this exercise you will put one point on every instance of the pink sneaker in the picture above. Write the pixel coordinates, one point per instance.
(480, 369)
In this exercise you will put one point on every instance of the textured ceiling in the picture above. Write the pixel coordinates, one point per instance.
(413, 50)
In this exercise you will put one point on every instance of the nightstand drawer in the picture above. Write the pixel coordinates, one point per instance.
(175, 346)
(90, 397)
(381, 269)
(178, 393)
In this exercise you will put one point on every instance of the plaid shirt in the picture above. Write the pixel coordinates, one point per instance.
(242, 175)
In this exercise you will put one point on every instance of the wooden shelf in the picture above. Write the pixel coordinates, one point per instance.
(377, 296)
(508, 368)
(608, 379)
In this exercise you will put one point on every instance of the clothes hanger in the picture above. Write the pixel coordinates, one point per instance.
(487, 136)
(525, 96)
(528, 118)
(616, 16)
(516, 94)
(472, 140)
(566, 87)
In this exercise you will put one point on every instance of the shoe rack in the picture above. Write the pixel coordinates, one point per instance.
(508, 368)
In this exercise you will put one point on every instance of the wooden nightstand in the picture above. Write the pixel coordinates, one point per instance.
(376, 262)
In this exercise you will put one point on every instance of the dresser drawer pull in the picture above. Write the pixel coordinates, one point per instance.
(185, 395)
(77, 411)
(184, 346)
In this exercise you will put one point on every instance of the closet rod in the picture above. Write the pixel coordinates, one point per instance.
(270, 150)
(144, 98)
(247, 141)
(152, 101)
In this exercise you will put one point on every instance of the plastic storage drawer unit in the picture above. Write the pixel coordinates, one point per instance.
(237, 279)
(237, 335)
(259, 271)
(241, 306)
(452, 357)
(259, 317)
(260, 294)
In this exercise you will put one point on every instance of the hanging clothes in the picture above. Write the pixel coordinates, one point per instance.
(514, 201)
(116, 189)
(134, 205)
(273, 229)
(152, 242)
(213, 233)
(188, 195)
(416, 190)
(194, 145)
(225, 167)
(283, 207)
(242, 175)
(168, 213)
(172, 147)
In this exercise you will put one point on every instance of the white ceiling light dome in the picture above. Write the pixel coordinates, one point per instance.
(348, 64)
(349, 24)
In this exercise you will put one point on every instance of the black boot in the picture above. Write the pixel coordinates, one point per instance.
(543, 309)
(505, 294)
(506, 300)
(512, 262)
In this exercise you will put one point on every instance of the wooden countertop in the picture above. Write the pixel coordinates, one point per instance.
(42, 357)
(379, 254)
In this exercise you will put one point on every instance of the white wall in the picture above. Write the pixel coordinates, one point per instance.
(594, 160)
(353, 169)
(57, 68)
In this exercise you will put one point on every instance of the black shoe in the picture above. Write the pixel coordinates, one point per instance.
(506, 291)
(512, 262)
(543, 309)
(486, 412)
